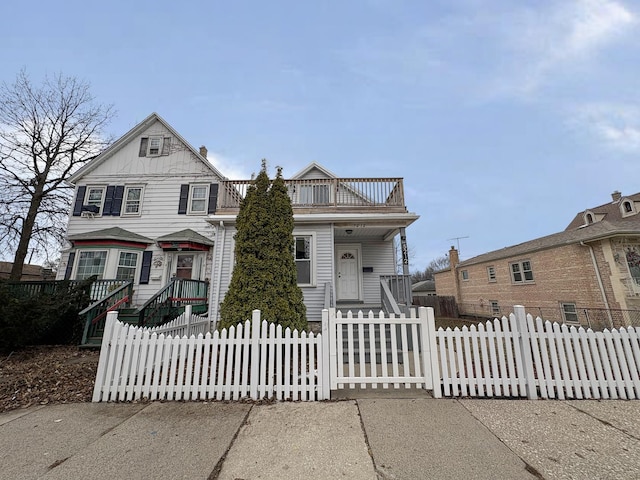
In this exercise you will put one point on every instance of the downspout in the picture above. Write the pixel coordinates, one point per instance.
(602, 292)
(221, 235)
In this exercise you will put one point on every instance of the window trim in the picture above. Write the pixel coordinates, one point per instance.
(150, 140)
(521, 271)
(103, 189)
(123, 211)
(491, 274)
(564, 313)
(205, 199)
(136, 268)
(78, 256)
(465, 275)
(494, 305)
(312, 256)
(623, 210)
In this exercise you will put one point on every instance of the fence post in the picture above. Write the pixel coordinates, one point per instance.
(105, 354)
(333, 354)
(524, 337)
(187, 313)
(254, 379)
(429, 351)
(326, 361)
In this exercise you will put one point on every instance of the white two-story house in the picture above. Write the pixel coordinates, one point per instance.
(151, 209)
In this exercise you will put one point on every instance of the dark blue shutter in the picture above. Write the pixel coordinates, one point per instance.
(69, 269)
(116, 205)
(143, 147)
(146, 267)
(184, 198)
(108, 200)
(77, 206)
(213, 198)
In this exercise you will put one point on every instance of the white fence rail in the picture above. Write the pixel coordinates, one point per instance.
(255, 359)
(186, 324)
(520, 357)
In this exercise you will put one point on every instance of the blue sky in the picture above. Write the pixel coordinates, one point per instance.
(504, 118)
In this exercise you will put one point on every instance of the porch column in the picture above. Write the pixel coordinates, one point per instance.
(405, 251)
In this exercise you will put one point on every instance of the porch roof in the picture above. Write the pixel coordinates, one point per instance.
(113, 233)
(186, 235)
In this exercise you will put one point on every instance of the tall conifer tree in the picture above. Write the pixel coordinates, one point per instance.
(264, 276)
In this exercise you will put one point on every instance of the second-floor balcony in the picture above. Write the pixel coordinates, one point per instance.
(325, 195)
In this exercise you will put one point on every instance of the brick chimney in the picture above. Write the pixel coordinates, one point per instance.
(454, 259)
(203, 151)
(616, 196)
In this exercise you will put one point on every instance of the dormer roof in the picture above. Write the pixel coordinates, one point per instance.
(611, 212)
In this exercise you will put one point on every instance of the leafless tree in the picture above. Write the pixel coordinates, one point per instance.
(47, 132)
(435, 265)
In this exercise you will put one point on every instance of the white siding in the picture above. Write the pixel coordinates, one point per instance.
(380, 256)
(161, 178)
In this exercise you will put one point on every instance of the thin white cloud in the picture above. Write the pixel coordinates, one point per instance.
(617, 125)
(547, 43)
(231, 169)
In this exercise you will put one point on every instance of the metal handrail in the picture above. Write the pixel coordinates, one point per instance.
(96, 313)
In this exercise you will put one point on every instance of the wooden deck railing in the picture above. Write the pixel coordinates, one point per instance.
(326, 192)
(95, 314)
(395, 291)
(170, 301)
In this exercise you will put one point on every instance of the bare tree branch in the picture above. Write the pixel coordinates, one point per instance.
(47, 132)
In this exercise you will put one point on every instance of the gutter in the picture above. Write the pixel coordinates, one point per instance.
(215, 295)
(595, 268)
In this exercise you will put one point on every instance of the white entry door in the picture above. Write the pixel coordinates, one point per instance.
(348, 272)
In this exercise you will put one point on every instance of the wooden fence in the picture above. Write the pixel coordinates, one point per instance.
(522, 357)
(256, 360)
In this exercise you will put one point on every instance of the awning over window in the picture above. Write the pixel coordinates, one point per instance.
(184, 240)
(114, 236)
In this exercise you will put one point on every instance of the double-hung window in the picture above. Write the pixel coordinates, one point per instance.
(198, 195)
(569, 312)
(132, 200)
(303, 255)
(521, 272)
(91, 262)
(491, 273)
(495, 307)
(465, 274)
(95, 198)
(127, 263)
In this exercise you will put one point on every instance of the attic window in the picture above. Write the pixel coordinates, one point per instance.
(154, 146)
(627, 208)
(589, 218)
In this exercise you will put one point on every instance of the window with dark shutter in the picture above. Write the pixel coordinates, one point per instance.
(184, 199)
(116, 205)
(69, 269)
(143, 147)
(145, 271)
(108, 200)
(213, 198)
(166, 145)
(77, 206)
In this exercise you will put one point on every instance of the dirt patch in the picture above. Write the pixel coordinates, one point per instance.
(44, 375)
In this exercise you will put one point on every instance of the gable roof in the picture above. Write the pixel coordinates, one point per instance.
(312, 166)
(128, 137)
(613, 224)
(424, 286)
(610, 211)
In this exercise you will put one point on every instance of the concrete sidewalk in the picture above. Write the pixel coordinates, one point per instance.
(368, 438)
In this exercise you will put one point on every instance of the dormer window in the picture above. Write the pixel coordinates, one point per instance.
(589, 218)
(627, 207)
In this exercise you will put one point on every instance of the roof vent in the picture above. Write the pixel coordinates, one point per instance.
(203, 151)
(616, 196)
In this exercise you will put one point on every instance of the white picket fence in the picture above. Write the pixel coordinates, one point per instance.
(253, 360)
(515, 356)
(187, 324)
(520, 357)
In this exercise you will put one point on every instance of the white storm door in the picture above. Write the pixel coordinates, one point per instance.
(348, 274)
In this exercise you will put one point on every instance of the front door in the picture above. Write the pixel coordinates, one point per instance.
(348, 273)
(187, 265)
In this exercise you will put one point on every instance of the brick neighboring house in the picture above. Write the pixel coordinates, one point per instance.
(588, 274)
(29, 272)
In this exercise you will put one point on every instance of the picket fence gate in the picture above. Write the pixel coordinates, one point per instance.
(252, 360)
